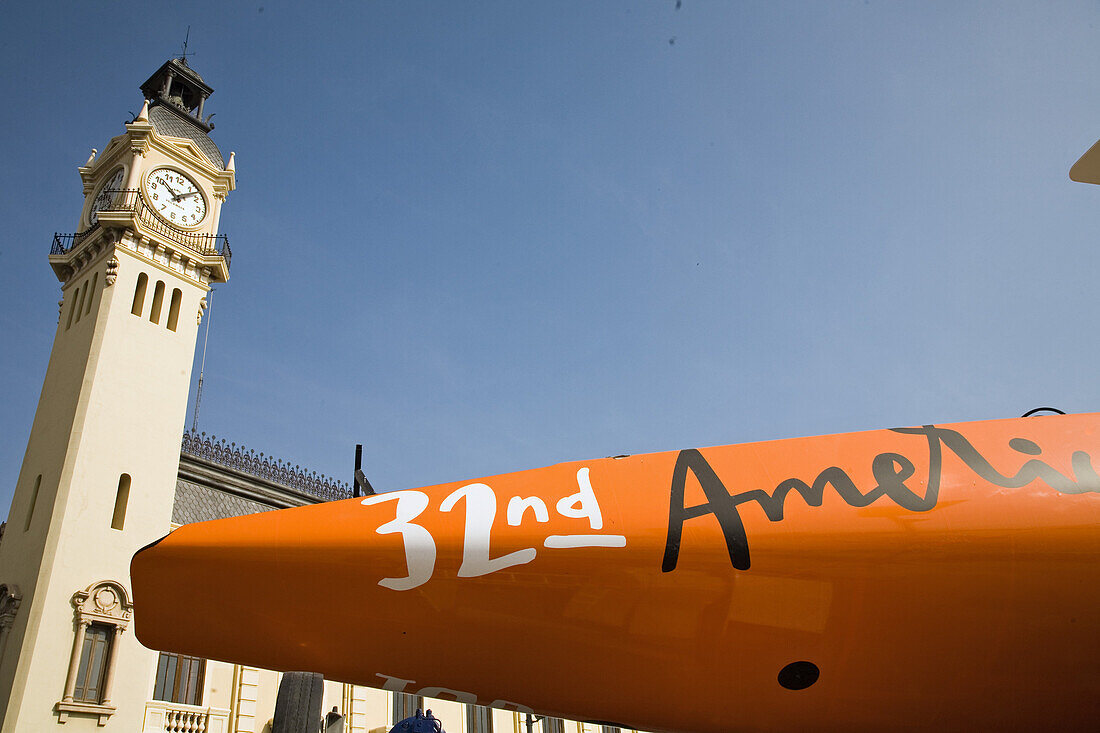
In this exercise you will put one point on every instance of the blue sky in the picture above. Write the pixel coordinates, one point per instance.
(482, 237)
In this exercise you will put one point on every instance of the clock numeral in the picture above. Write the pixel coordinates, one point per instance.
(155, 196)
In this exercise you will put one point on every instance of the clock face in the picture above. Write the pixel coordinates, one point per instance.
(174, 197)
(107, 193)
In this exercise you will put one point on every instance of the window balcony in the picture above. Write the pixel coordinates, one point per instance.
(173, 717)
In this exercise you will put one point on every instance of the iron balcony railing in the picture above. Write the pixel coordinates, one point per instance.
(130, 200)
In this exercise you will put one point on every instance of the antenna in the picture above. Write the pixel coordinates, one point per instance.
(186, 38)
(359, 481)
(202, 366)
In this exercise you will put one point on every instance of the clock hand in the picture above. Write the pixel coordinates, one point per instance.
(185, 195)
(169, 187)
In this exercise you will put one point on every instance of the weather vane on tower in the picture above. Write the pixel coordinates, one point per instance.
(186, 53)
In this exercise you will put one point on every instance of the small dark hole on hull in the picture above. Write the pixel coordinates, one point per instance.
(799, 675)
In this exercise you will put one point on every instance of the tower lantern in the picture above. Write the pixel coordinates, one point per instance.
(179, 88)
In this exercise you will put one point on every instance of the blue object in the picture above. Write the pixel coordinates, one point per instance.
(419, 723)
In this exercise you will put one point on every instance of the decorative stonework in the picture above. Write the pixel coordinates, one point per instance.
(104, 602)
(198, 319)
(107, 603)
(10, 598)
(79, 254)
(112, 271)
(248, 461)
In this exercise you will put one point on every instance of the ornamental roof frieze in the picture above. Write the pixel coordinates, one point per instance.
(266, 468)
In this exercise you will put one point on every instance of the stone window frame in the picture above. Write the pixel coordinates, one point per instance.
(105, 602)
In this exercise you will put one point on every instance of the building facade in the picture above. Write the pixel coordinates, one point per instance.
(109, 469)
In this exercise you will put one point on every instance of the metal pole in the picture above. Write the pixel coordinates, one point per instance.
(202, 366)
(358, 466)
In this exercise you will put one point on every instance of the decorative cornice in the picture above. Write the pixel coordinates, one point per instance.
(68, 264)
(230, 455)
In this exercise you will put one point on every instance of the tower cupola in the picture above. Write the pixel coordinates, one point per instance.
(178, 87)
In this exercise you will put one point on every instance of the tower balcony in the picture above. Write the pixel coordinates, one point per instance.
(129, 210)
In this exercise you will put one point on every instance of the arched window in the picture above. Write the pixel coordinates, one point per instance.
(72, 308)
(122, 496)
(34, 500)
(80, 305)
(139, 294)
(158, 301)
(103, 611)
(91, 295)
(174, 309)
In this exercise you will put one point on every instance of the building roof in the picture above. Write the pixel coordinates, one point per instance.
(167, 121)
(198, 503)
(217, 479)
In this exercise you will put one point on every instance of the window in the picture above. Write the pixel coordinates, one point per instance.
(91, 294)
(122, 496)
(72, 308)
(406, 705)
(179, 679)
(479, 719)
(610, 729)
(158, 301)
(139, 294)
(34, 500)
(174, 309)
(553, 725)
(80, 305)
(103, 611)
(93, 663)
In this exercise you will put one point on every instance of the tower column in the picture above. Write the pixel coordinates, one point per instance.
(112, 664)
(74, 660)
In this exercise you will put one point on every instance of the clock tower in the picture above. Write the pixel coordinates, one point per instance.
(99, 474)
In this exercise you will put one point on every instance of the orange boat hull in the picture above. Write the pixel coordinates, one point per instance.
(940, 577)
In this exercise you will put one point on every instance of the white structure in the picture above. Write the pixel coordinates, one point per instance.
(98, 477)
